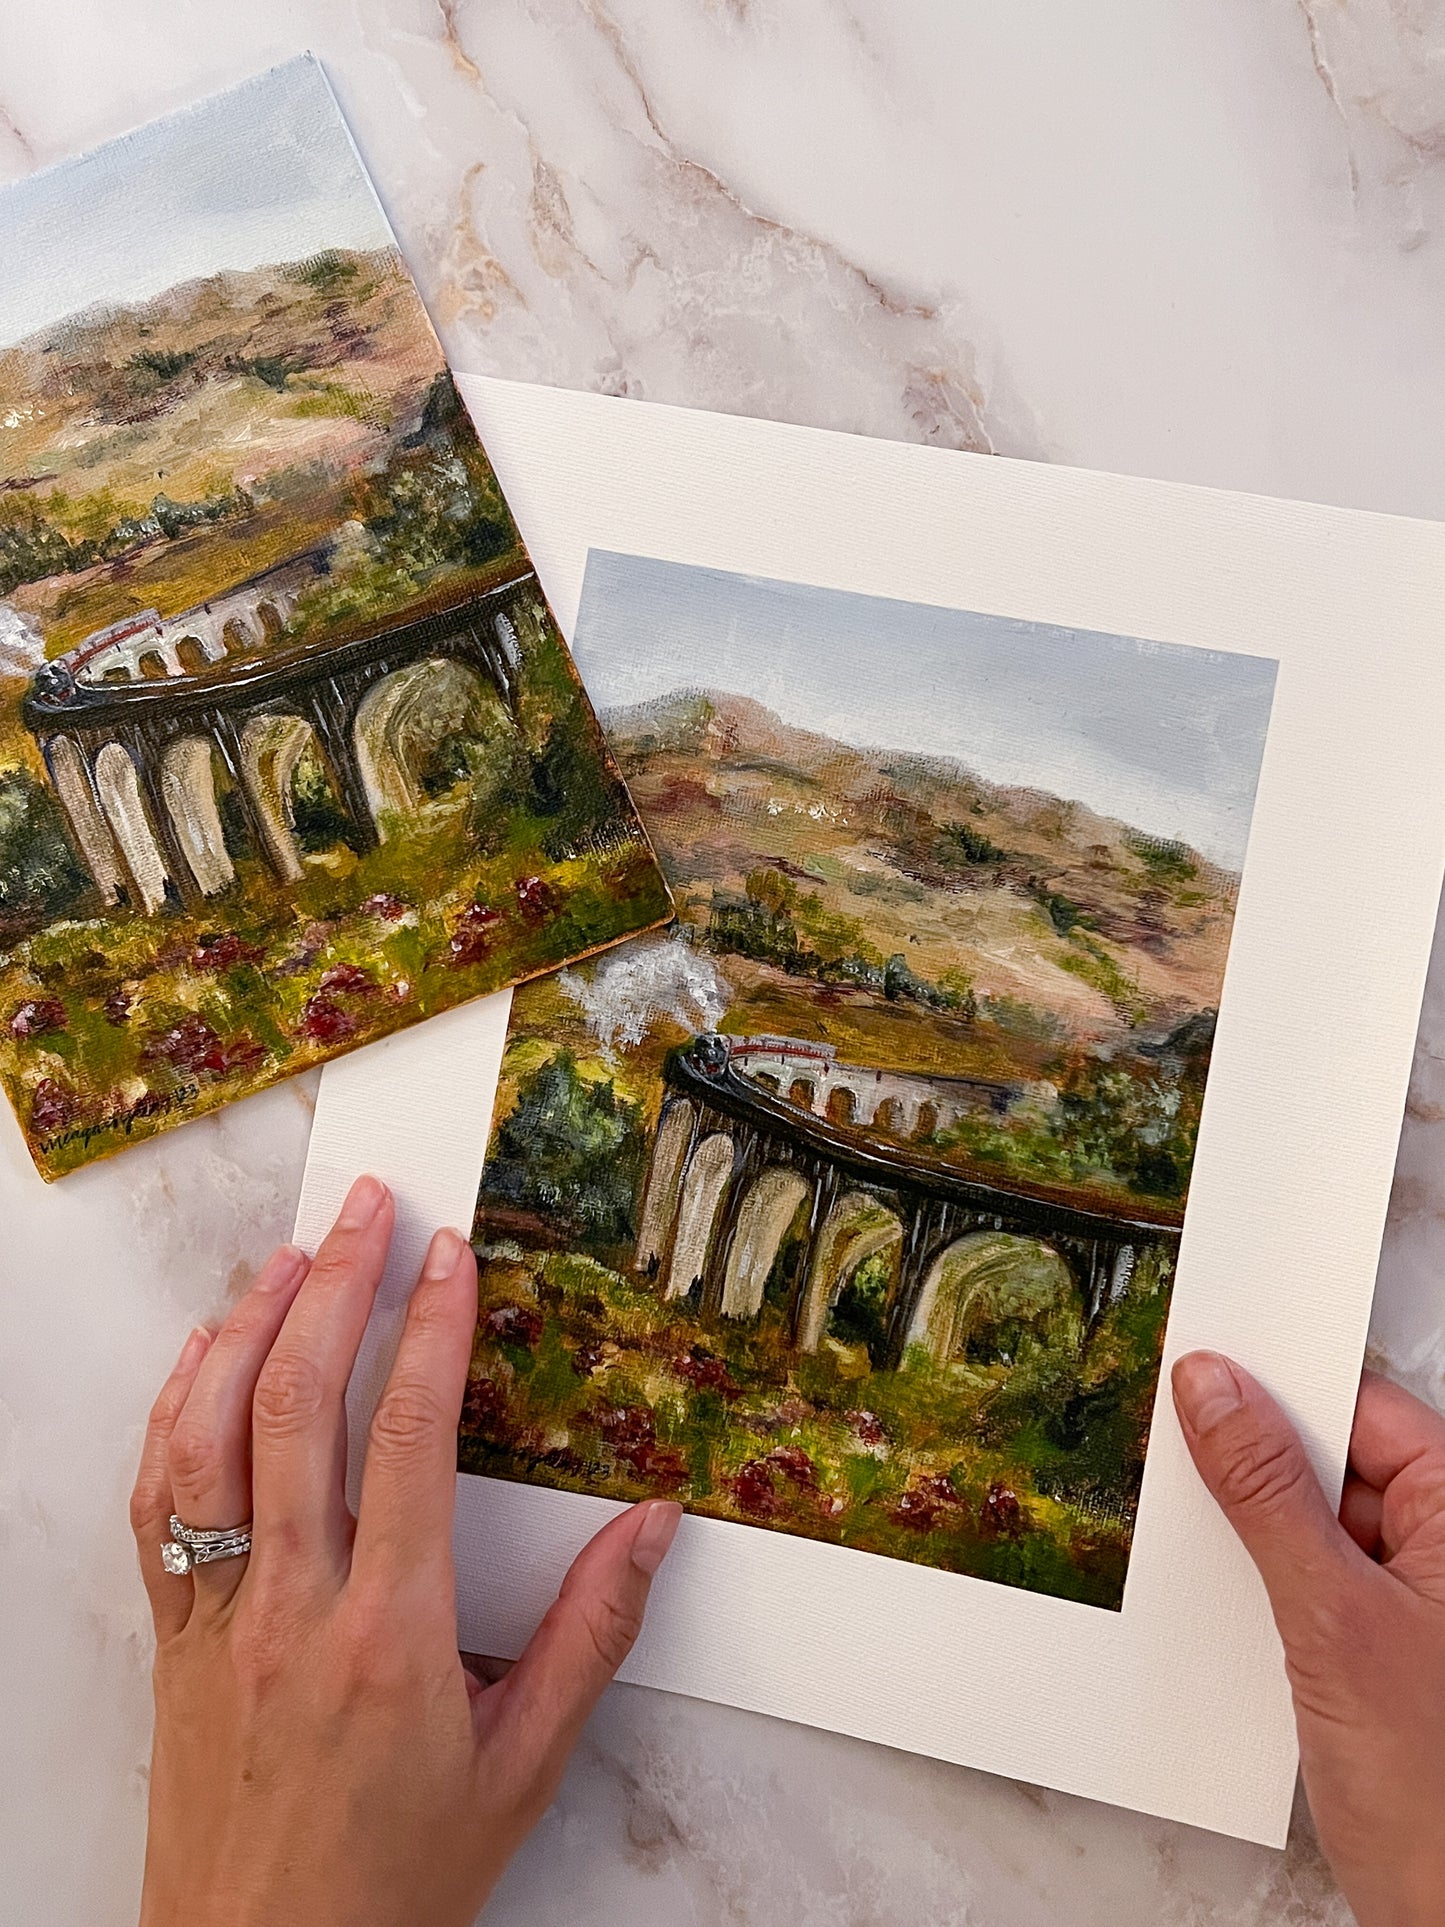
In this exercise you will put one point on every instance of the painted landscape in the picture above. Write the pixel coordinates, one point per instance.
(850, 1206)
(291, 750)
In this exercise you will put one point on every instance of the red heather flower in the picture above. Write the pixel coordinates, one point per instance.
(325, 1022)
(190, 1045)
(754, 1490)
(221, 952)
(515, 1325)
(243, 1051)
(795, 1465)
(536, 898)
(39, 1017)
(118, 1007)
(924, 1505)
(52, 1107)
(625, 1426)
(485, 1403)
(868, 1427)
(346, 978)
(383, 905)
(917, 1510)
(707, 1373)
(471, 939)
(1002, 1514)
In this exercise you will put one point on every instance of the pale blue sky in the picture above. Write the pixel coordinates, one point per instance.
(265, 172)
(1165, 737)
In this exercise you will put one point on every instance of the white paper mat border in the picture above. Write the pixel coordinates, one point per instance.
(1177, 1706)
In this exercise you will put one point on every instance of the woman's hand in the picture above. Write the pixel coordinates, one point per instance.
(321, 1754)
(1360, 1606)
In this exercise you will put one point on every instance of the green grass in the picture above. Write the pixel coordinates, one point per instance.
(115, 1086)
(605, 1349)
(1091, 962)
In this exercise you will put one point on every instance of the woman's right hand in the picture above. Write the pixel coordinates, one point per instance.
(1360, 1605)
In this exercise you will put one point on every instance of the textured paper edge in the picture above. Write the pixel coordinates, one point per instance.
(1177, 1706)
(415, 1110)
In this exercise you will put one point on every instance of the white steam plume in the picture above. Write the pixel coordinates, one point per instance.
(656, 977)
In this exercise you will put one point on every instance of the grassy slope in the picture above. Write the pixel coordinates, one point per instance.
(813, 1445)
(99, 433)
(737, 790)
(93, 418)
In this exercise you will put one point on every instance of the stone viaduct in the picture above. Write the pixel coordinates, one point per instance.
(902, 1103)
(137, 723)
(735, 1165)
(148, 647)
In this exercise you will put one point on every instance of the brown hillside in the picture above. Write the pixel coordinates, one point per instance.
(213, 384)
(1036, 899)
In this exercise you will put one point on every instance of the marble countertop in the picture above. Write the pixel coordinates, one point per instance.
(1205, 242)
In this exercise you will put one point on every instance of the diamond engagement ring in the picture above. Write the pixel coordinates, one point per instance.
(196, 1546)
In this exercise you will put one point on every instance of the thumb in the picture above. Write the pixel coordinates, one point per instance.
(543, 1703)
(1250, 1457)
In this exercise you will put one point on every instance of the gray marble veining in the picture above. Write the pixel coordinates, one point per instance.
(1201, 242)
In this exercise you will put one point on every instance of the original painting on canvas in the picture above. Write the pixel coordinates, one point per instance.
(291, 750)
(850, 1206)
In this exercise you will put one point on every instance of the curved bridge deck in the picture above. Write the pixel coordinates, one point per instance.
(1048, 1209)
(134, 762)
(735, 1168)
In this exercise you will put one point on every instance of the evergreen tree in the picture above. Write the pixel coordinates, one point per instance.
(571, 1152)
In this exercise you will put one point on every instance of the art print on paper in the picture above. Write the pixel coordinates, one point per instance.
(291, 751)
(850, 1206)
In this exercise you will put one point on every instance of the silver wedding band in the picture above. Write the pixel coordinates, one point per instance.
(190, 1546)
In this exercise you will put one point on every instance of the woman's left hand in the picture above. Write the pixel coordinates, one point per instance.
(321, 1753)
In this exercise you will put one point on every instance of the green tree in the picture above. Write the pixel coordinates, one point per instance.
(330, 273)
(40, 875)
(32, 548)
(1132, 1120)
(773, 893)
(961, 841)
(572, 787)
(572, 1151)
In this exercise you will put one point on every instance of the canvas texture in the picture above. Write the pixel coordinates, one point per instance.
(849, 1207)
(292, 752)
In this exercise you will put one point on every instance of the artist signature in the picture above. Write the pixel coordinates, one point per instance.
(153, 1104)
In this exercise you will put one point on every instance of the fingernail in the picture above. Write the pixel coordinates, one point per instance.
(1206, 1389)
(655, 1535)
(363, 1201)
(282, 1270)
(194, 1348)
(445, 1254)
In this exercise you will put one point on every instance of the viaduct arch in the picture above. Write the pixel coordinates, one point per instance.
(736, 1165)
(134, 726)
(904, 1104)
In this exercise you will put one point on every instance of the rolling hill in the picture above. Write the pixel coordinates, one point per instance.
(1045, 906)
(151, 454)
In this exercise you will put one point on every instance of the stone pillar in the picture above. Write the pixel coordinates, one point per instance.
(163, 828)
(188, 796)
(746, 1164)
(825, 1195)
(925, 1223)
(1120, 1273)
(333, 718)
(672, 1149)
(118, 785)
(70, 774)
